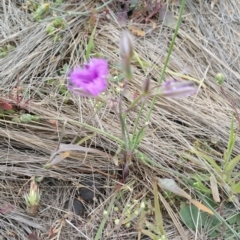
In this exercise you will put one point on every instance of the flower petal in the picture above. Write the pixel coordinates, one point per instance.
(177, 89)
(90, 79)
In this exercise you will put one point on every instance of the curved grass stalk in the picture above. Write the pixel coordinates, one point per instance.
(94, 129)
(162, 73)
(168, 57)
(105, 217)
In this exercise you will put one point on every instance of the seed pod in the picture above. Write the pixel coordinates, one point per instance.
(220, 78)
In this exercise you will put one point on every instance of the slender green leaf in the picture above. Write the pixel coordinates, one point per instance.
(208, 159)
(150, 234)
(236, 187)
(158, 214)
(90, 45)
(217, 215)
(105, 217)
(193, 217)
(232, 164)
(231, 142)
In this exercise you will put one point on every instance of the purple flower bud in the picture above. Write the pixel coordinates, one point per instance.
(126, 52)
(177, 89)
(146, 86)
(91, 79)
(126, 45)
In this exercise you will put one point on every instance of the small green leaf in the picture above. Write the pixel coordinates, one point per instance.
(65, 67)
(58, 23)
(41, 10)
(10, 47)
(232, 164)
(3, 53)
(214, 234)
(50, 29)
(201, 187)
(236, 187)
(232, 219)
(213, 227)
(238, 219)
(192, 217)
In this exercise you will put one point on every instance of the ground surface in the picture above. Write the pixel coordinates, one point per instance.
(34, 64)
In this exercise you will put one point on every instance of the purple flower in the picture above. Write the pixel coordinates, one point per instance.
(177, 89)
(91, 79)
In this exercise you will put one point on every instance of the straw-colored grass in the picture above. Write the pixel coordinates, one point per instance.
(208, 42)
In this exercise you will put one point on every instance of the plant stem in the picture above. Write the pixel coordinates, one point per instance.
(97, 130)
(168, 57)
(134, 141)
(105, 217)
(160, 79)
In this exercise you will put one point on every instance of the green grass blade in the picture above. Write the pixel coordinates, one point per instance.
(158, 214)
(232, 164)
(217, 215)
(168, 56)
(105, 217)
(231, 142)
(89, 127)
(208, 159)
(90, 45)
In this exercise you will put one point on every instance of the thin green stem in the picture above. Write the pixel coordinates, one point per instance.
(168, 56)
(160, 80)
(135, 127)
(122, 117)
(105, 217)
(124, 132)
(97, 130)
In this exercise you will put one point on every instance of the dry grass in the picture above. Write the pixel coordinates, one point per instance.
(208, 42)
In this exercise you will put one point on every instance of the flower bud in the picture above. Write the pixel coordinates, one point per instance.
(128, 225)
(116, 221)
(146, 86)
(143, 205)
(126, 52)
(177, 89)
(126, 45)
(220, 78)
(116, 209)
(105, 212)
(26, 118)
